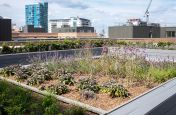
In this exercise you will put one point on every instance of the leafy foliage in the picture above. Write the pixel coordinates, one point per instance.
(162, 44)
(17, 101)
(14, 100)
(58, 89)
(73, 44)
(114, 89)
(88, 94)
(161, 75)
(66, 78)
(35, 80)
(75, 111)
(51, 108)
(22, 73)
(89, 84)
(6, 49)
(39, 76)
(10, 70)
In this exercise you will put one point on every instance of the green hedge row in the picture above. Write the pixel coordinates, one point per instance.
(57, 45)
(75, 44)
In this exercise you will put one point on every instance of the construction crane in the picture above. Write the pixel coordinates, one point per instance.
(147, 13)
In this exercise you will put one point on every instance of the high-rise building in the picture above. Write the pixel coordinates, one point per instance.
(37, 15)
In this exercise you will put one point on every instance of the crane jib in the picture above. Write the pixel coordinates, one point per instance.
(147, 13)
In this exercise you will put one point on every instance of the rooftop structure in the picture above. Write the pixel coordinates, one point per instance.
(136, 28)
(5, 29)
(151, 30)
(139, 22)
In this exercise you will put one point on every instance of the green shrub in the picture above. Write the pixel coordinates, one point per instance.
(19, 50)
(15, 100)
(88, 84)
(55, 46)
(6, 50)
(87, 94)
(10, 70)
(30, 48)
(121, 43)
(36, 108)
(73, 44)
(58, 89)
(35, 80)
(114, 89)
(50, 106)
(66, 78)
(75, 111)
(43, 47)
(39, 75)
(169, 43)
(162, 75)
(97, 43)
(22, 73)
(162, 44)
(7, 71)
(118, 91)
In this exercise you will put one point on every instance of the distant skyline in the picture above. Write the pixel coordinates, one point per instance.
(102, 13)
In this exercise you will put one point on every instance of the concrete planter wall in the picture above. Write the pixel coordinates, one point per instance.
(158, 101)
(25, 58)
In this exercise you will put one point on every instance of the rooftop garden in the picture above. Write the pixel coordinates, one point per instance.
(104, 83)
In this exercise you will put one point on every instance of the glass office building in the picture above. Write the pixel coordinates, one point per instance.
(37, 15)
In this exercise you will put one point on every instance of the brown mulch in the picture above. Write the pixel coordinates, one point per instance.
(103, 101)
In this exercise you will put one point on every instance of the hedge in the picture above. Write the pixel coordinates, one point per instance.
(75, 44)
(49, 46)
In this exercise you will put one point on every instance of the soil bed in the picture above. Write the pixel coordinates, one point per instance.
(102, 100)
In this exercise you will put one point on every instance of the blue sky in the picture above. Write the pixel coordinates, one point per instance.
(103, 13)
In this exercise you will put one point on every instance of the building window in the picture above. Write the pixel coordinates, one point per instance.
(170, 34)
